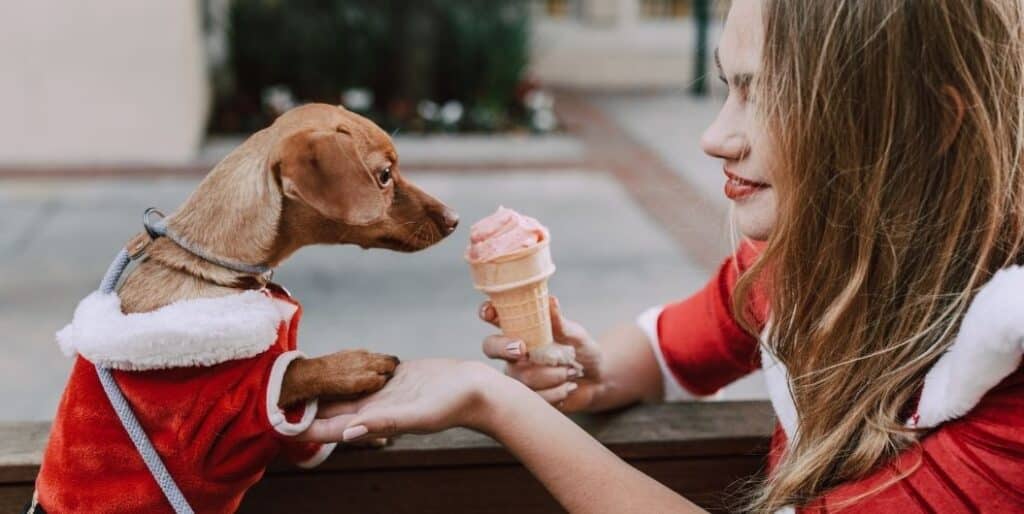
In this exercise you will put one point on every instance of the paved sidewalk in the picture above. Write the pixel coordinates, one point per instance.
(666, 128)
(475, 152)
(671, 124)
(614, 130)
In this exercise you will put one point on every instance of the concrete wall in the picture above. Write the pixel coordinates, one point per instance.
(610, 46)
(104, 81)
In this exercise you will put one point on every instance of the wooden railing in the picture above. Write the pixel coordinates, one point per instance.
(702, 450)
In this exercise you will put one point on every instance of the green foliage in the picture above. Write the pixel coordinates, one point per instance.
(484, 48)
(316, 47)
(404, 51)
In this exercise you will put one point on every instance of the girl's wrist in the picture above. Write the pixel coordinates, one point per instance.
(498, 398)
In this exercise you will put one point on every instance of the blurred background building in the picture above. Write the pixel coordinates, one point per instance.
(583, 113)
(113, 81)
(616, 44)
(146, 83)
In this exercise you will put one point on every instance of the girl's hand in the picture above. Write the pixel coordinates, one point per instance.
(424, 396)
(562, 386)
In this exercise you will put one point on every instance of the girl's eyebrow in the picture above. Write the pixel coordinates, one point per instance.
(740, 81)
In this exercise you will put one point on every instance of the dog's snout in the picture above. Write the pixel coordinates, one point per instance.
(448, 220)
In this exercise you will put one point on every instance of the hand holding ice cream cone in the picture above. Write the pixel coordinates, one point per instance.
(510, 260)
(570, 388)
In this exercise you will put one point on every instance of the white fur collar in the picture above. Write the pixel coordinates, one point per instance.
(988, 348)
(199, 332)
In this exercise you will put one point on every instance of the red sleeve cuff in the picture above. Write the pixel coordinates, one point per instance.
(672, 390)
(702, 342)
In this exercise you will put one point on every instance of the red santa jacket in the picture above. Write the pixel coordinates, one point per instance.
(973, 397)
(203, 377)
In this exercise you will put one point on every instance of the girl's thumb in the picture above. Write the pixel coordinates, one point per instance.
(375, 424)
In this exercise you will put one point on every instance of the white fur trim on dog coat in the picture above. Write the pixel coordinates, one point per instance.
(199, 332)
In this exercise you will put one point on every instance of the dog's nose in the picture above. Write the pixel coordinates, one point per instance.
(449, 220)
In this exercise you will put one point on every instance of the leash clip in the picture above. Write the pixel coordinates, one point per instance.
(138, 246)
(154, 230)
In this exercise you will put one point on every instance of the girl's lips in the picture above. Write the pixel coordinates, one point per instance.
(737, 188)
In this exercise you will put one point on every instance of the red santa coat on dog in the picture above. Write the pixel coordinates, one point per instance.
(203, 377)
(973, 397)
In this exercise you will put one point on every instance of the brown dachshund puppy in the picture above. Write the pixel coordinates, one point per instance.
(318, 175)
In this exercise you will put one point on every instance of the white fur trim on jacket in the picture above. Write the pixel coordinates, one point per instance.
(275, 414)
(776, 381)
(648, 323)
(987, 349)
(199, 332)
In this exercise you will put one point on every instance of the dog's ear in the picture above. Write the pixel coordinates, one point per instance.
(324, 170)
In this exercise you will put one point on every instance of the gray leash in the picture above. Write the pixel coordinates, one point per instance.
(124, 410)
(158, 228)
(155, 229)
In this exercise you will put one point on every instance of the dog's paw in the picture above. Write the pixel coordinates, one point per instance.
(355, 373)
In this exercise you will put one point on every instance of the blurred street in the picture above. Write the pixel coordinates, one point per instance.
(614, 256)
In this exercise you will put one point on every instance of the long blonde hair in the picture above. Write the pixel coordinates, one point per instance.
(900, 192)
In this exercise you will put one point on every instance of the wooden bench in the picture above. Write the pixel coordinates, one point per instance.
(702, 450)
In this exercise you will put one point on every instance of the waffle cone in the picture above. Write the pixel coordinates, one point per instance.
(523, 313)
(517, 285)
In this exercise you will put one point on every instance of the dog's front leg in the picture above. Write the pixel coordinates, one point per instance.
(345, 374)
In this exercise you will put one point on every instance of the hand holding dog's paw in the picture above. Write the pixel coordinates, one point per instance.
(343, 375)
(426, 396)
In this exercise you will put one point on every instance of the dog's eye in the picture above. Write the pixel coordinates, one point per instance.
(385, 176)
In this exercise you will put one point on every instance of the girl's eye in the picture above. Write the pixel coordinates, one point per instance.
(385, 176)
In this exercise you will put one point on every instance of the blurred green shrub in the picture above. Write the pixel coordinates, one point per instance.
(417, 63)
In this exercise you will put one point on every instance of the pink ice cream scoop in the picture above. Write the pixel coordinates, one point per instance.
(510, 261)
(502, 233)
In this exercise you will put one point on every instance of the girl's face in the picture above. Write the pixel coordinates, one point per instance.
(737, 136)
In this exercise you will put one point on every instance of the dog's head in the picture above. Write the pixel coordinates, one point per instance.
(340, 176)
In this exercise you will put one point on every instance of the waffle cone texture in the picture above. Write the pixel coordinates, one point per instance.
(517, 285)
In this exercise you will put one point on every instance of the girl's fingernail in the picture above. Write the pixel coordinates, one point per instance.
(514, 348)
(354, 432)
(572, 373)
(571, 386)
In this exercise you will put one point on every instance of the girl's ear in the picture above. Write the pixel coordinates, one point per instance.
(952, 116)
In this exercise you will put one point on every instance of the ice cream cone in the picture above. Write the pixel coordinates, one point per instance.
(517, 285)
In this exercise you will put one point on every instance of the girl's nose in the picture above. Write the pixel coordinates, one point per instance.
(724, 139)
